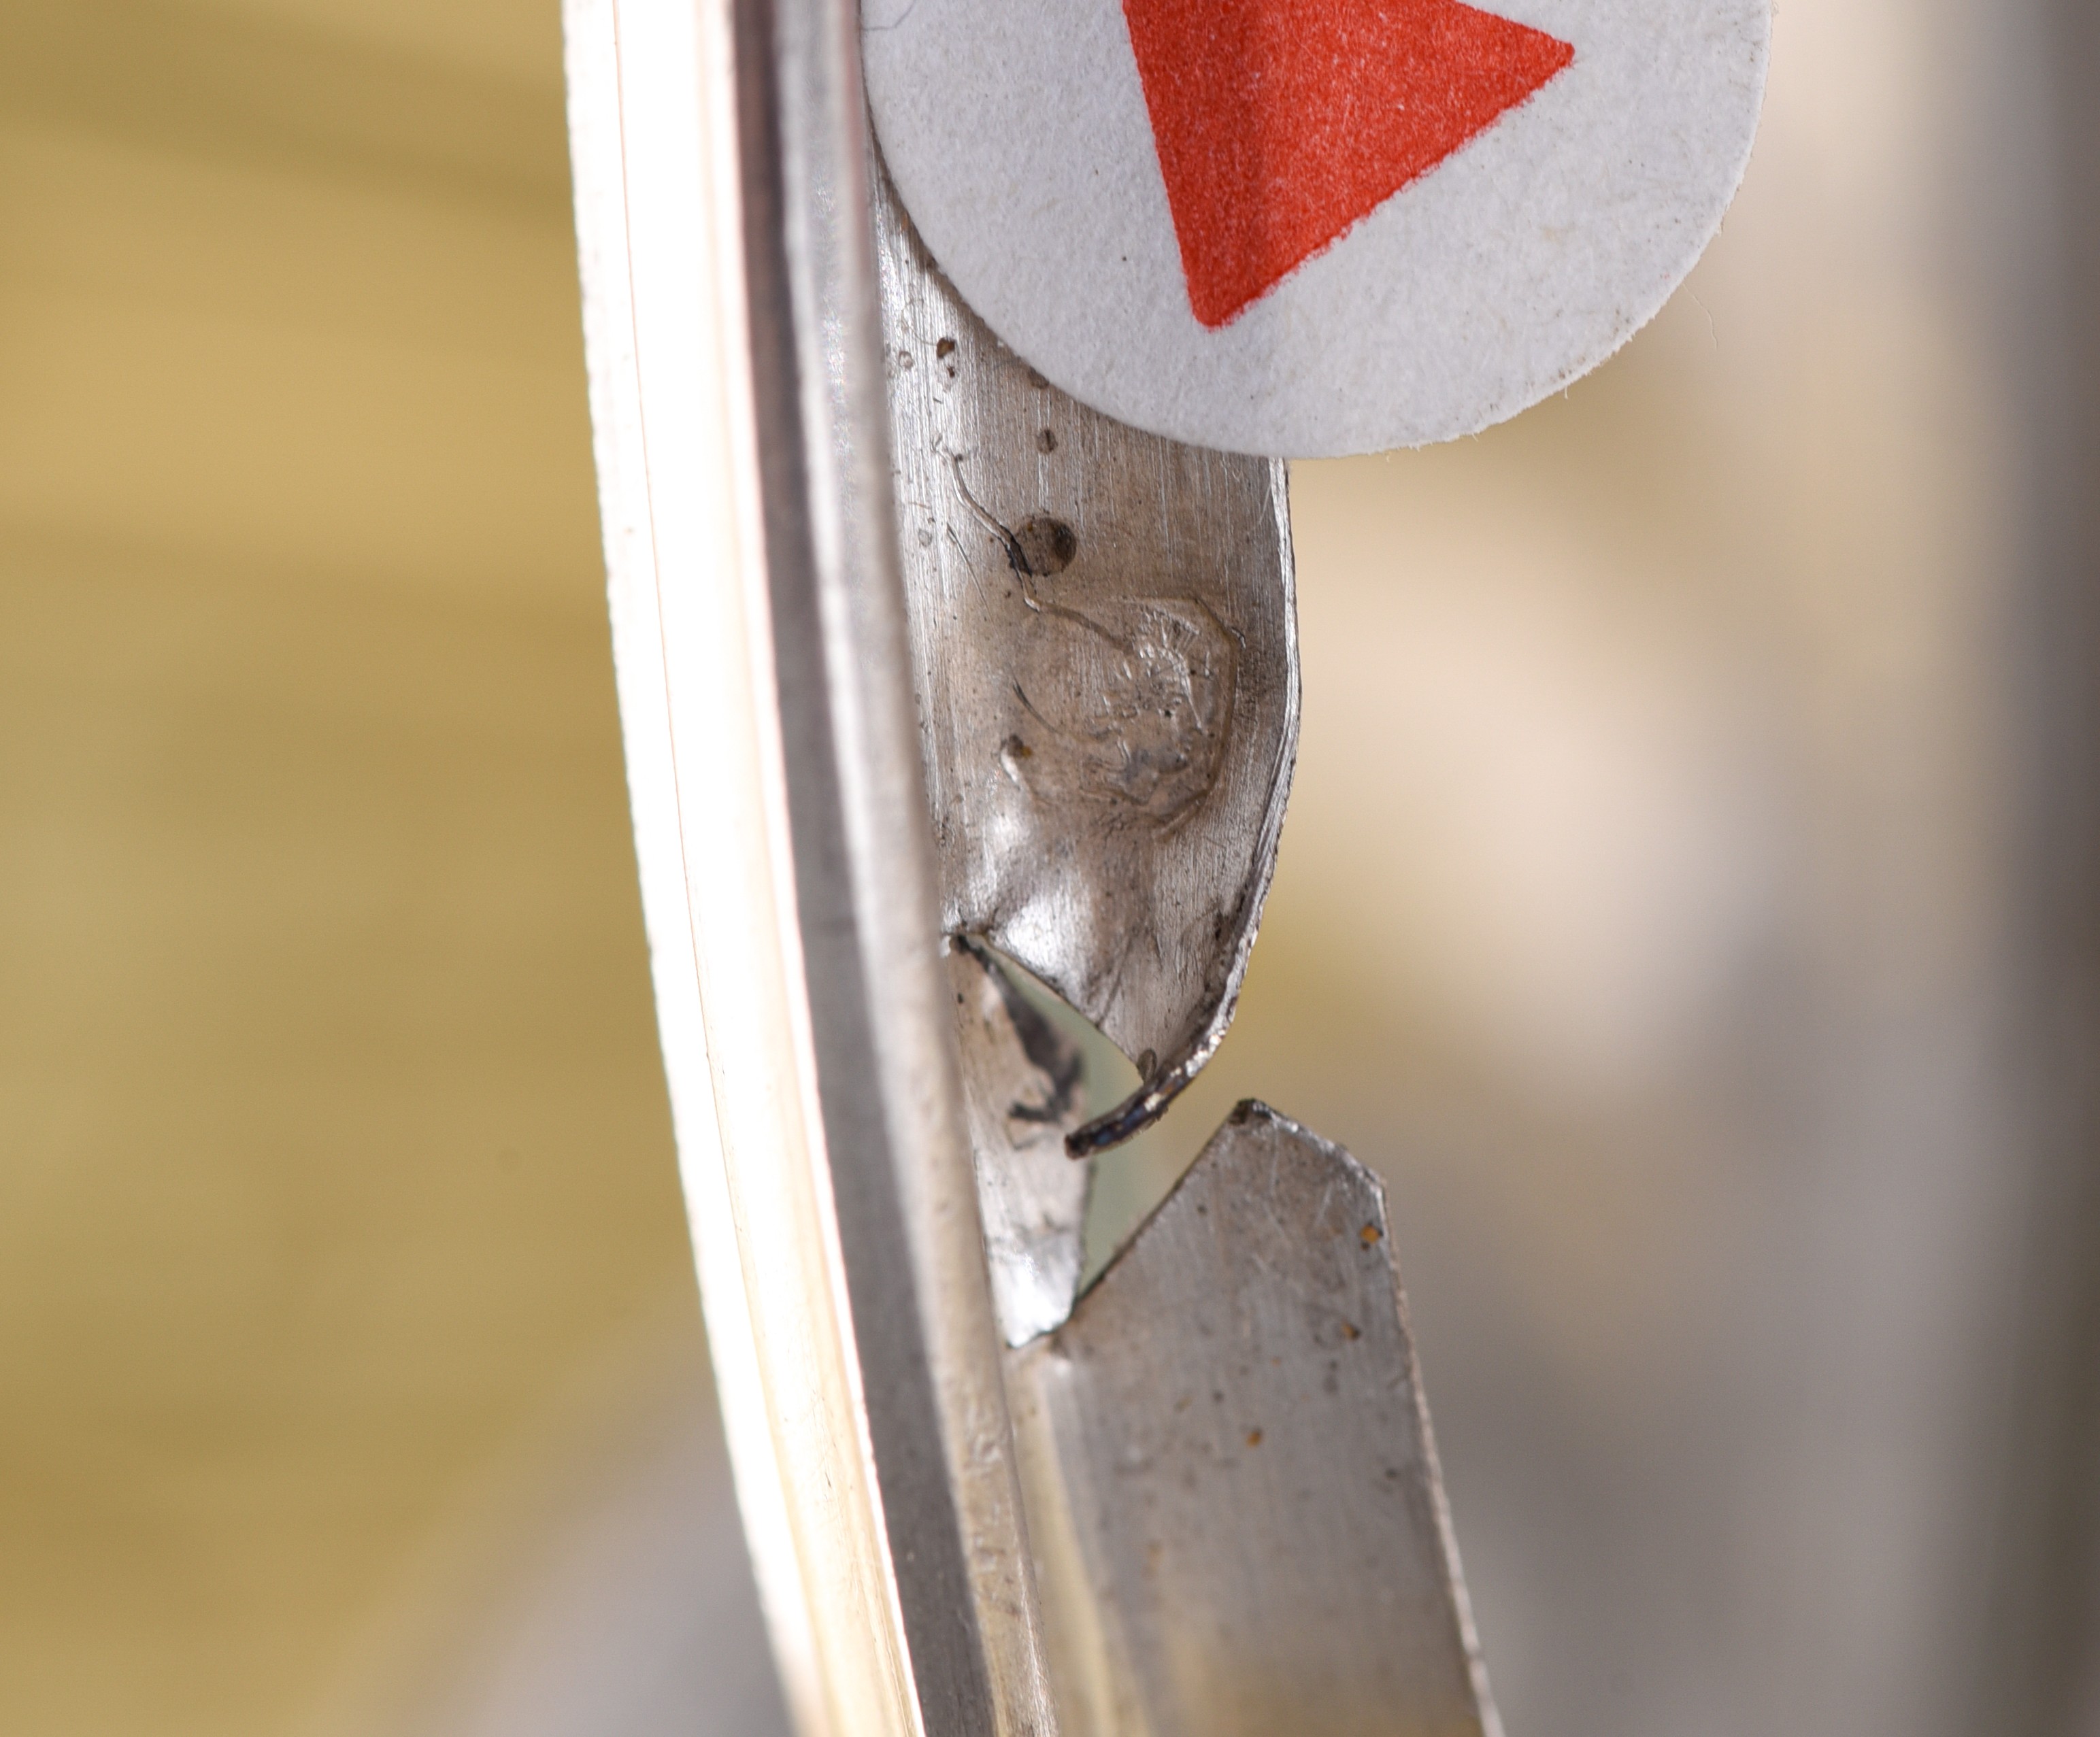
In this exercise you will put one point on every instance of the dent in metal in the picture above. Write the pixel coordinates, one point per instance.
(1104, 640)
(1232, 1493)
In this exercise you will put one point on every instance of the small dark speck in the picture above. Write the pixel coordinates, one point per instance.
(1036, 380)
(1217, 1398)
(905, 361)
(945, 349)
(1203, 1211)
(1369, 1234)
(1393, 1473)
(1047, 546)
(1046, 442)
(1011, 753)
(1253, 1438)
(1349, 1330)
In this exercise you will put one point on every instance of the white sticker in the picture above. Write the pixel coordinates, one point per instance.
(1306, 228)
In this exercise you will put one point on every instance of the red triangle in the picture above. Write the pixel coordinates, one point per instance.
(1282, 123)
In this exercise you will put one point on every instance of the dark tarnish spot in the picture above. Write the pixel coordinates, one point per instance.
(1046, 441)
(1369, 1234)
(1253, 1438)
(1047, 545)
(945, 349)
(1037, 381)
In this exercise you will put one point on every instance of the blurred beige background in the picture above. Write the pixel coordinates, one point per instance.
(1670, 908)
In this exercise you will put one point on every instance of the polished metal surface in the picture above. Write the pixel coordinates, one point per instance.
(1104, 637)
(1233, 1494)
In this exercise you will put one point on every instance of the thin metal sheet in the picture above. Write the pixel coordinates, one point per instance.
(1104, 640)
(1233, 1498)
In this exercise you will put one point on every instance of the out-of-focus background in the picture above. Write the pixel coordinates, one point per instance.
(1687, 903)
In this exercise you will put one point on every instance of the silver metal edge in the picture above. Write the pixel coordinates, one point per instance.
(889, 1086)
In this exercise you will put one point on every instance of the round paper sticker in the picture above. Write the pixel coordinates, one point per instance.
(1306, 228)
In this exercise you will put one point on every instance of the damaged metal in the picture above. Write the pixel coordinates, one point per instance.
(1104, 640)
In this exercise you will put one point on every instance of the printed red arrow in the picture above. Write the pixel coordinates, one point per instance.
(1282, 124)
